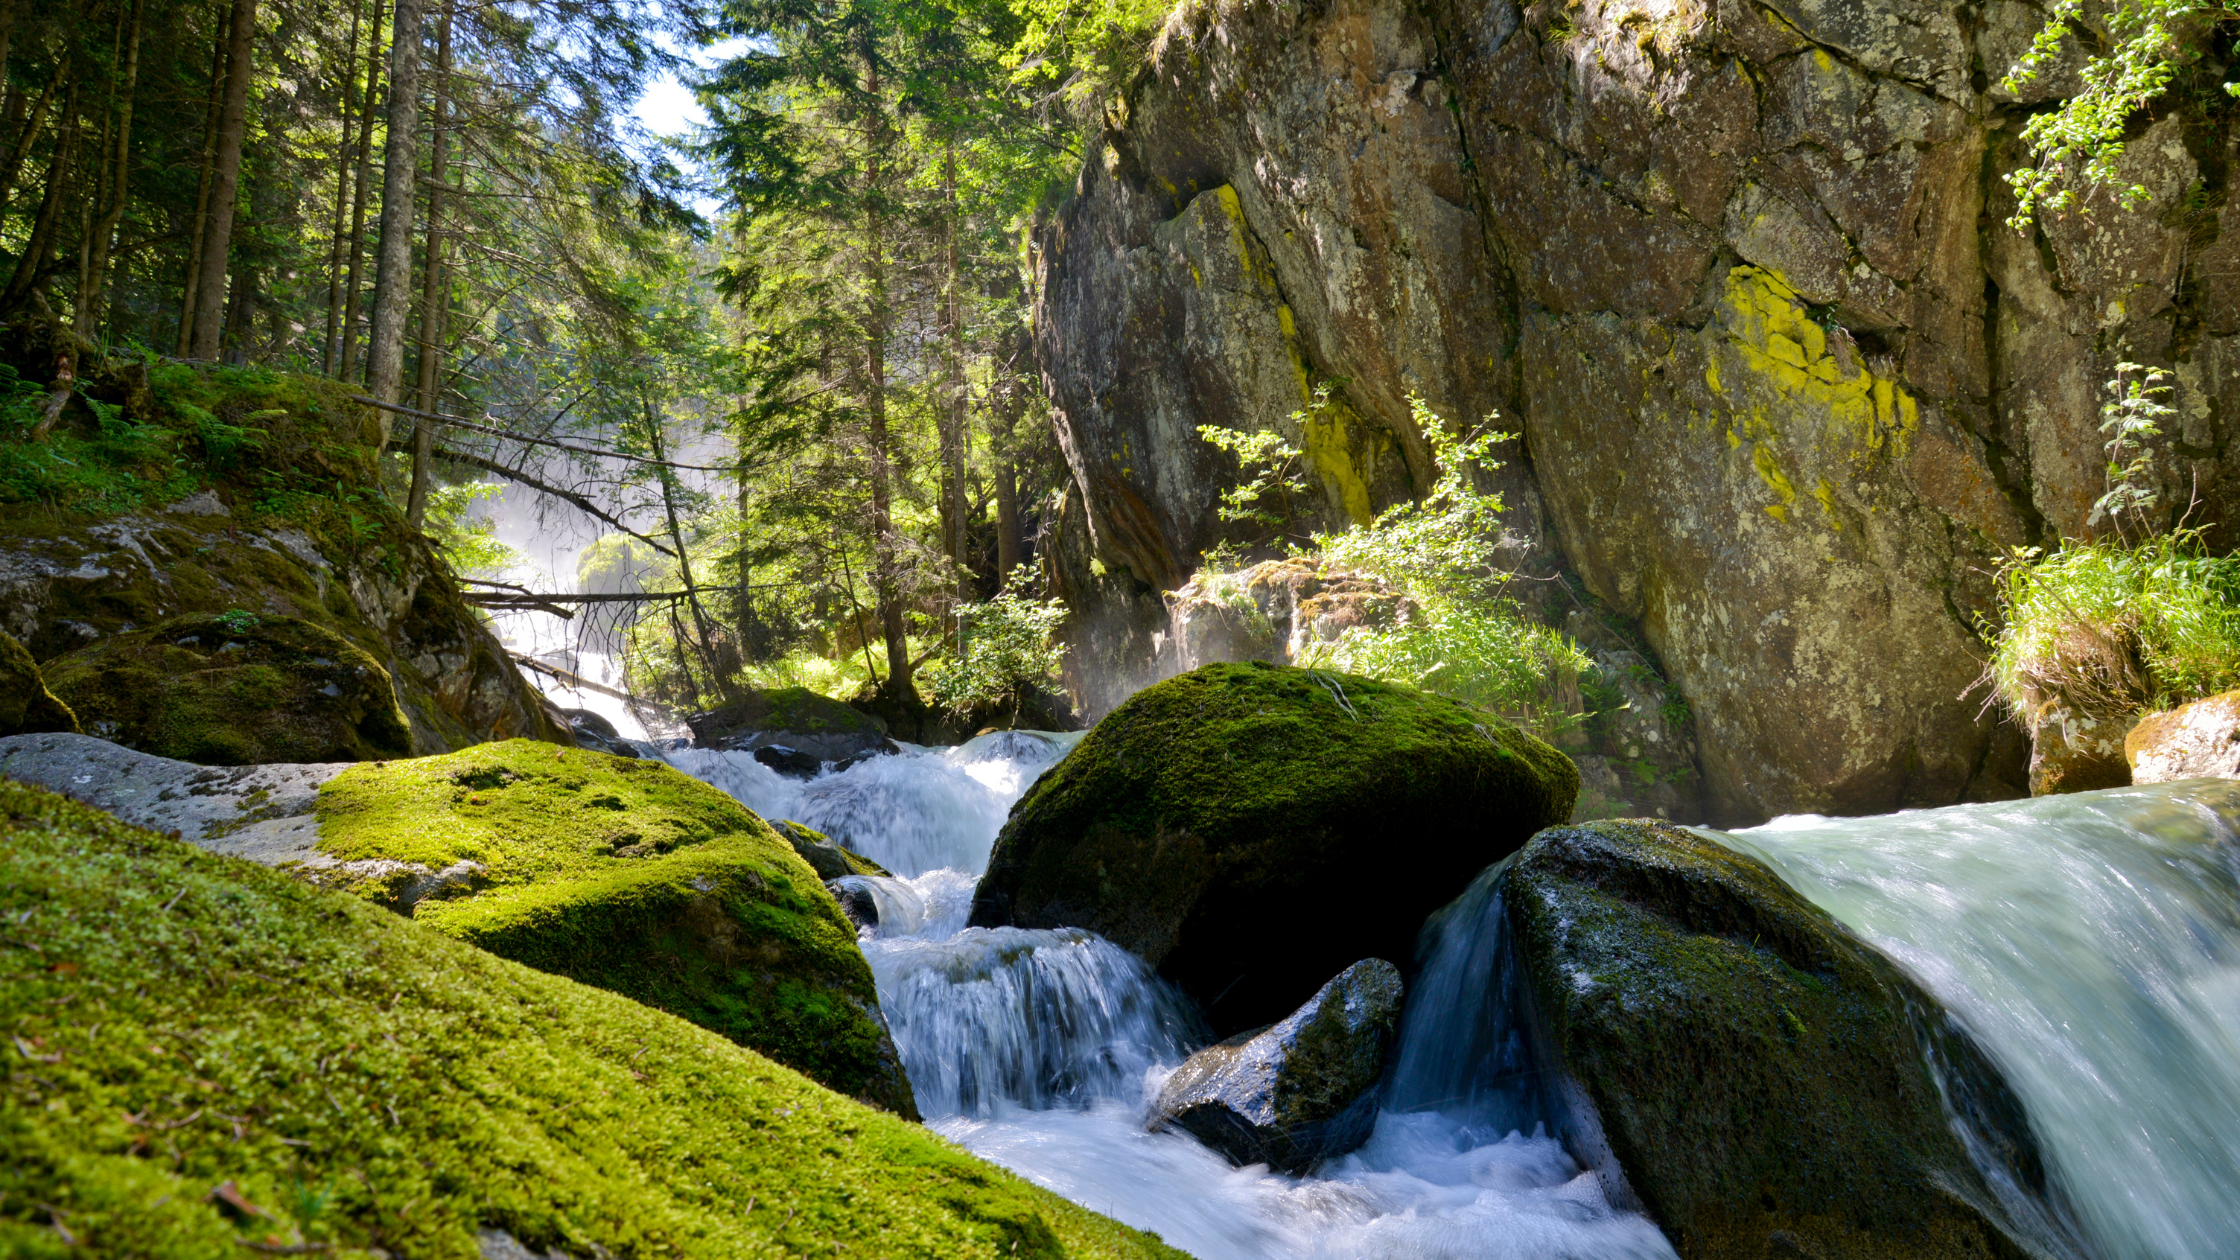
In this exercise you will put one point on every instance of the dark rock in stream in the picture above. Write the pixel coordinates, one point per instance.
(796, 719)
(1769, 1085)
(1300, 1092)
(790, 762)
(1206, 820)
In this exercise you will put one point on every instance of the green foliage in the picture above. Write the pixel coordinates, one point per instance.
(2108, 629)
(1007, 645)
(1466, 636)
(2077, 146)
(470, 543)
(1277, 468)
(178, 1020)
(236, 621)
(2131, 416)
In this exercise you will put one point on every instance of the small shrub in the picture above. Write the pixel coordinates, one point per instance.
(2107, 629)
(1006, 646)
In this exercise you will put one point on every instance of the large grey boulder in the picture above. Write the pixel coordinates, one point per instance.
(1300, 1092)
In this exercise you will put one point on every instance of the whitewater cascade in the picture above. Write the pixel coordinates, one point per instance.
(2092, 943)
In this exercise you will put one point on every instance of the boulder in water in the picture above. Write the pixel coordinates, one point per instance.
(234, 690)
(2193, 741)
(26, 706)
(824, 855)
(1250, 829)
(1769, 1085)
(794, 718)
(1300, 1092)
(383, 1086)
(2074, 751)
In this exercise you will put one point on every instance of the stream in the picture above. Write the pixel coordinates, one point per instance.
(2091, 942)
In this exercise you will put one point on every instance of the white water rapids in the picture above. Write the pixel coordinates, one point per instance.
(2092, 943)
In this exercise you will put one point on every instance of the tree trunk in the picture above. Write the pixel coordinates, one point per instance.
(1007, 518)
(392, 281)
(331, 349)
(431, 285)
(94, 290)
(225, 183)
(954, 512)
(684, 557)
(45, 229)
(190, 286)
(886, 577)
(359, 192)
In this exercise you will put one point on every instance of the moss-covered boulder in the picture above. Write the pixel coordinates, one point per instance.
(826, 856)
(235, 689)
(209, 1060)
(628, 875)
(26, 706)
(791, 717)
(1253, 829)
(1763, 1079)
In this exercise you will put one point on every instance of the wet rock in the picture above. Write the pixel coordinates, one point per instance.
(235, 689)
(2193, 741)
(1208, 818)
(1300, 1092)
(595, 732)
(793, 718)
(2077, 752)
(26, 706)
(1733, 1059)
(823, 854)
(1275, 611)
(791, 762)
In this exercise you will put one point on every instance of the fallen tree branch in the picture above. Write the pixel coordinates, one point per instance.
(568, 496)
(457, 422)
(575, 681)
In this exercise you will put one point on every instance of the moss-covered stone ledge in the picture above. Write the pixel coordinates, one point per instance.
(620, 873)
(208, 1059)
(628, 875)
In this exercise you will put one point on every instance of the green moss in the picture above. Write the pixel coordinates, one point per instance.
(235, 689)
(26, 706)
(1755, 1069)
(631, 876)
(179, 1020)
(1201, 819)
(828, 859)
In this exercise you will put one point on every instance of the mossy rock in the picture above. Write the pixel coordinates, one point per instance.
(235, 690)
(181, 1021)
(1253, 829)
(26, 706)
(829, 859)
(631, 876)
(793, 717)
(1761, 1077)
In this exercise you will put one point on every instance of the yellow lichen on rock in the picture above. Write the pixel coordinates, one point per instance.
(1775, 337)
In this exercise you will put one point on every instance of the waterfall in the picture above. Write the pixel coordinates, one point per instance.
(2092, 944)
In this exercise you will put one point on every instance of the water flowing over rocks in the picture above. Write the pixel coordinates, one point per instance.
(1300, 1092)
(1737, 272)
(1207, 817)
(1764, 1083)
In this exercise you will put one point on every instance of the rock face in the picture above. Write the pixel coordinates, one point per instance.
(462, 1098)
(26, 705)
(2077, 752)
(1236, 828)
(72, 586)
(1763, 1080)
(1737, 272)
(1300, 1092)
(235, 691)
(2193, 741)
(620, 873)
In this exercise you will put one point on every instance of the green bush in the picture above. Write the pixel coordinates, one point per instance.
(2108, 629)
(1006, 646)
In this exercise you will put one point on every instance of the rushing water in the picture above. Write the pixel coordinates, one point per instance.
(2092, 944)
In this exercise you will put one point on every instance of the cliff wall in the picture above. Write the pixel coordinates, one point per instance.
(1788, 386)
